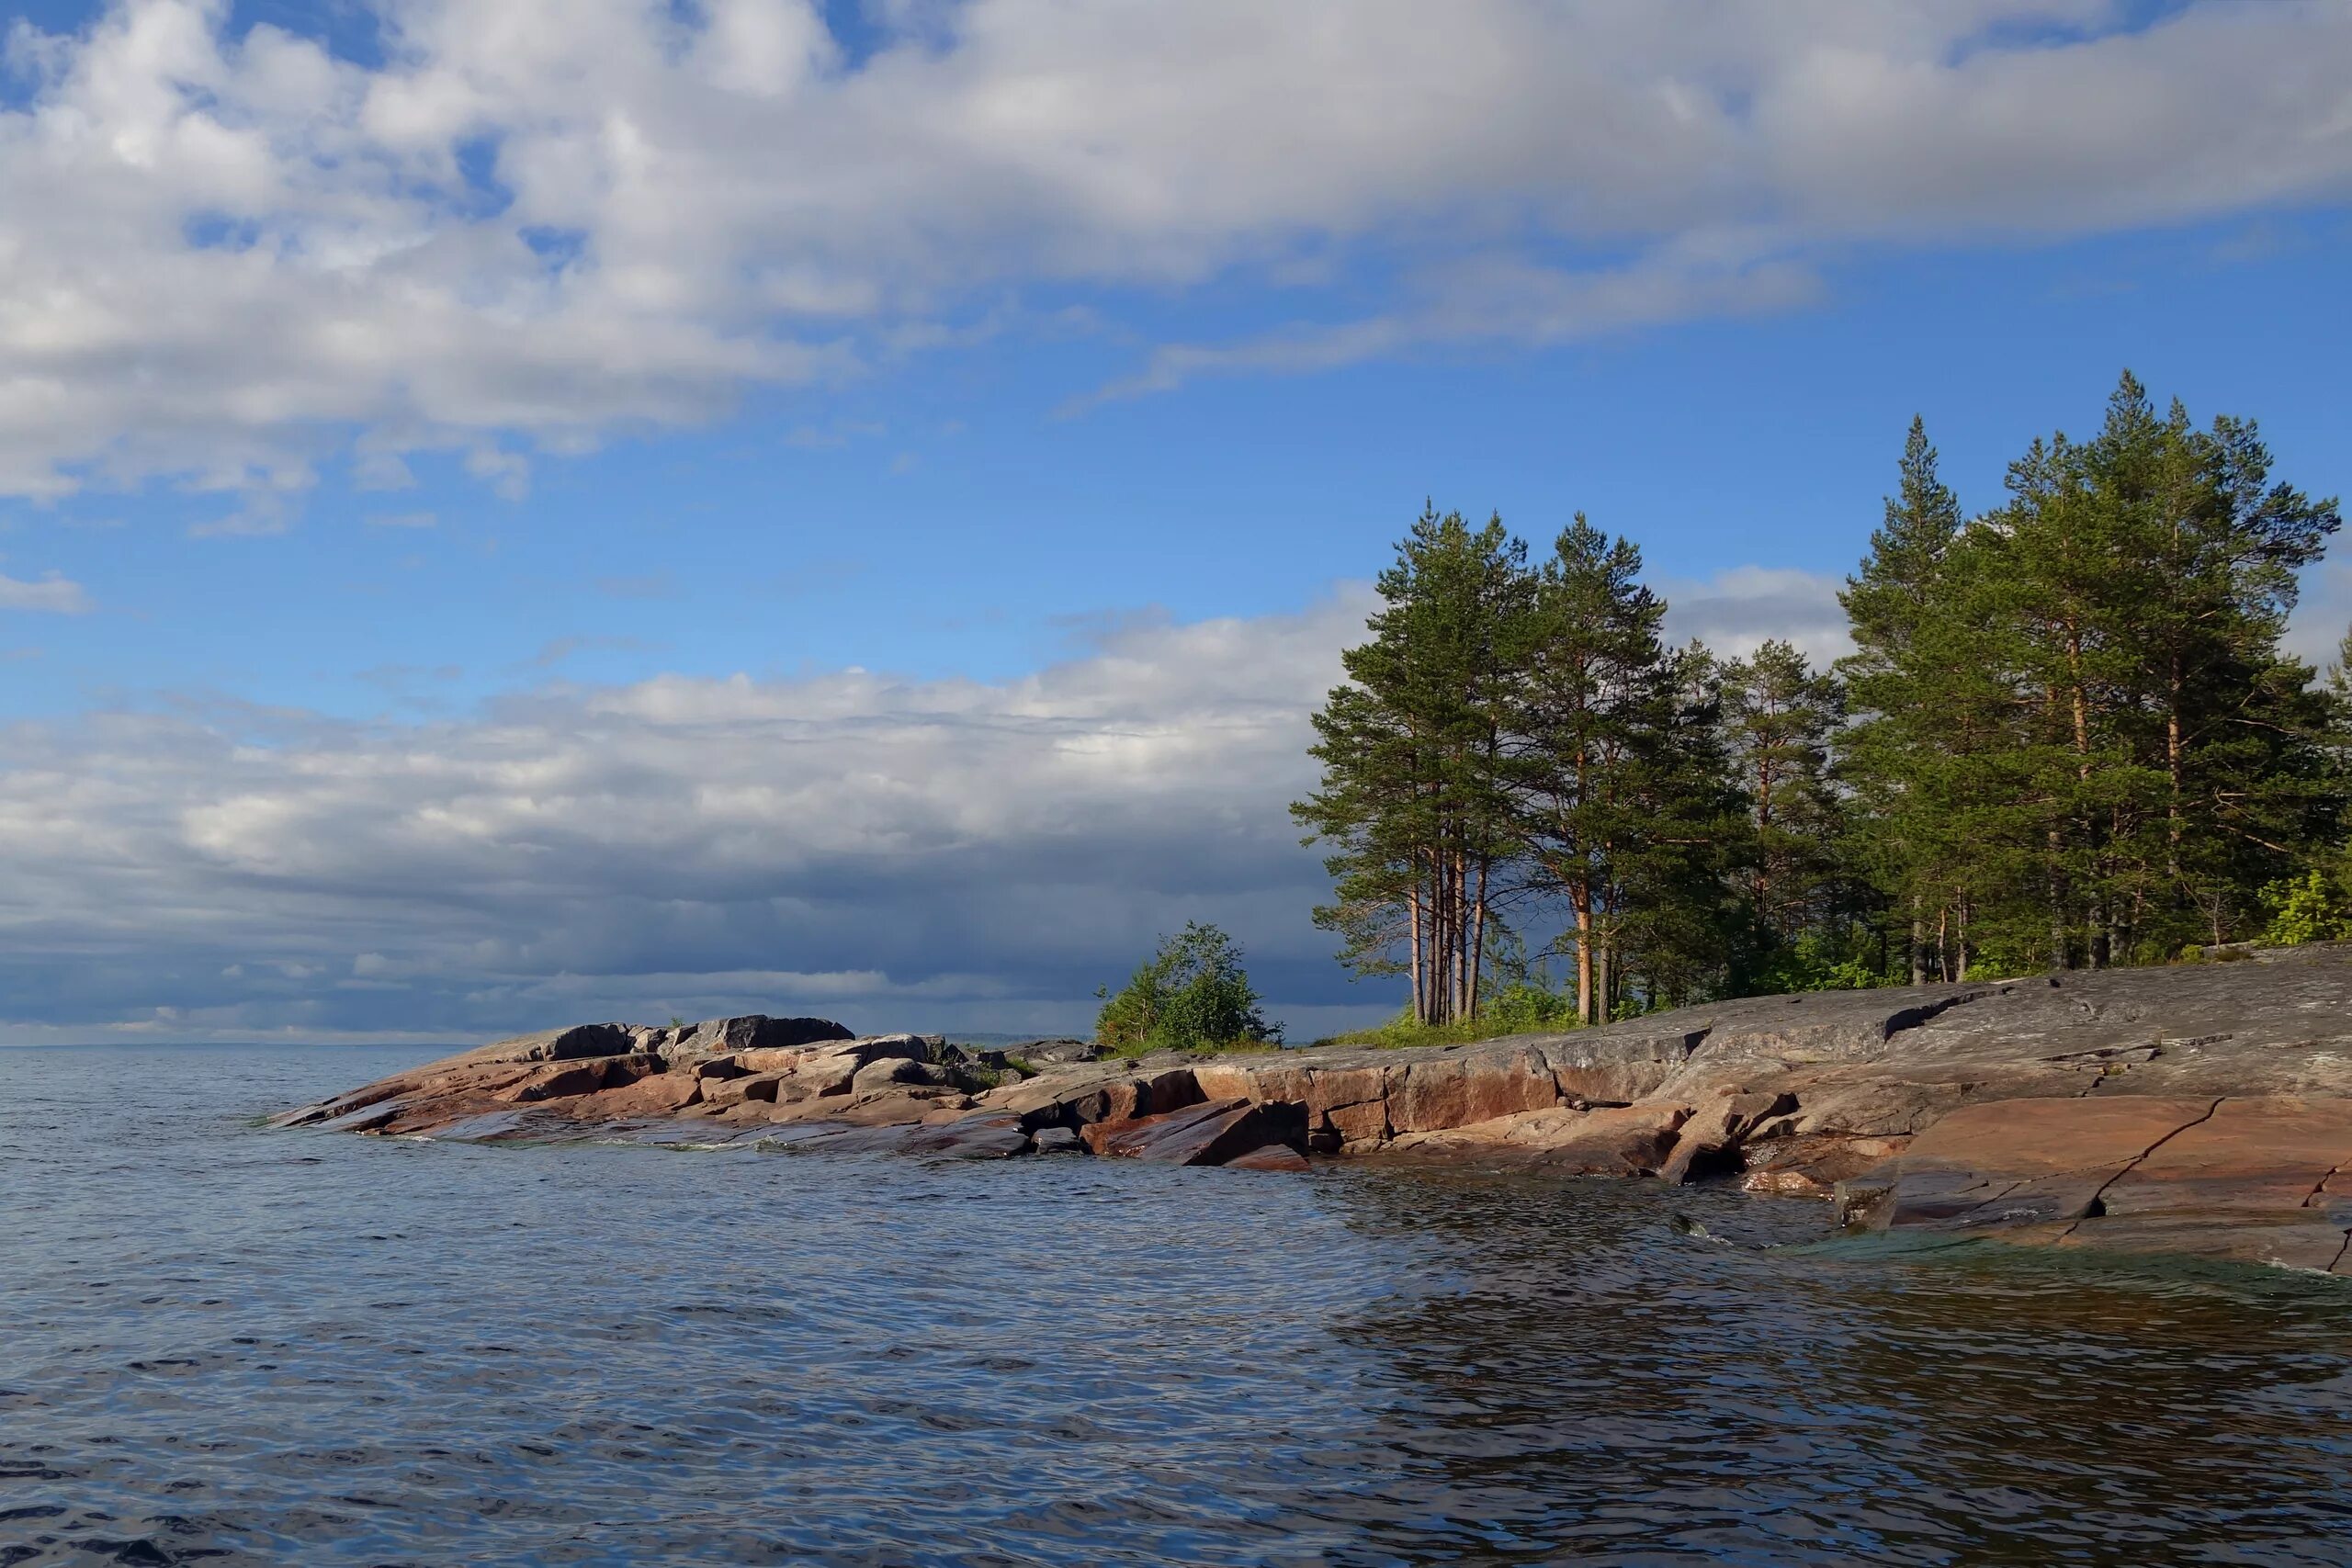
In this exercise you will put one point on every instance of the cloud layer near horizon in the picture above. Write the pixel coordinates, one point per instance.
(947, 853)
(229, 259)
(943, 853)
(897, 853)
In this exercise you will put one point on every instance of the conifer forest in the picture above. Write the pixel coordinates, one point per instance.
(2066, 736)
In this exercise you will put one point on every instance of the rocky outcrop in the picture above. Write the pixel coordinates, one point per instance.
(2203, 1108)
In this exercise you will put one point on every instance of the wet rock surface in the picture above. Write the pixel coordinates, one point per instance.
(2200, 1109)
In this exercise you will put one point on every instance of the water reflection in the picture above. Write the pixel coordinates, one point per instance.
(232, 1347)
(1588, 1383)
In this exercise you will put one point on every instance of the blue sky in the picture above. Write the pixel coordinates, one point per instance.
(753, 496)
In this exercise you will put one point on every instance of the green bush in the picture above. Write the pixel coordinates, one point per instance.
(1817, 961)
(1191, 995)
(2310, 908)
(1526, 1007)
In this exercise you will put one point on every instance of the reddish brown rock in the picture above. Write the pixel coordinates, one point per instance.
(1814, 1166)
(997, 1136)
(1208, 1133)
(1630, 1140)
(562, 1080)
(656, 1094)
(1624, 1140)
(1271, 1156)
(2075, 1109)
(2271, 1152)
(1707, 1144)
(2029, 1161)
(1364, 1125)
(719, 1093)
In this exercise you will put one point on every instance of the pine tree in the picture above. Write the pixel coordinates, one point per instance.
(1596, 728)
(1779, 718)
(1898, 680)
(1412, 797)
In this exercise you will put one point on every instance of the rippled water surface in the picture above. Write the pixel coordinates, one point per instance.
(223, 1345)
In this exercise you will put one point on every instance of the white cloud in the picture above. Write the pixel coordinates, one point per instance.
(898, 853)
(53, 593)
(1737, 610)
(227, 258)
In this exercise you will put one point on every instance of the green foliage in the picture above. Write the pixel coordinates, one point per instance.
(1821, 960)
(2076, 738)
(1412, 802)
(2068, 734)
(1523, 1007)
(1191, 995)
(2311, 907)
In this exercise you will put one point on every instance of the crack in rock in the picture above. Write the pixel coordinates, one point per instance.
(2319, 1188)
(2096, 1207)
(1926, 1012)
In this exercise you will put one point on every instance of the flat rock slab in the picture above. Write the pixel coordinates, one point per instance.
(2235, 1179)
(2029, 1161)
(1620, 1140)
(973, 1137)
(1211, 1132)
(2270, 1151)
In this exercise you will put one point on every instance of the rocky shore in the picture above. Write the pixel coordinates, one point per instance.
(2201, 1109)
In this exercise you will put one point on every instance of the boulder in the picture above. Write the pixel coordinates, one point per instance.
(1627, 1140)
(1210, 1133)
(1076, 1098)
(560, 1079)
(719, 1093)
(1814, 1166)
(1707, 1143)
(656, 1094)
(1056, 1052)
(883, 1071)
(753, 1032)
(1059, 1140)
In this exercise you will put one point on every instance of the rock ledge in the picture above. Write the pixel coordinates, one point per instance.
(2204, 1110)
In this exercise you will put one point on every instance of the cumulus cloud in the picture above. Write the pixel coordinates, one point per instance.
(231, 256)
(897, 853)
(1739, 609)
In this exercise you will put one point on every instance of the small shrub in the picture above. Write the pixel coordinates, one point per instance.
(2309, 908)
(1191, 995)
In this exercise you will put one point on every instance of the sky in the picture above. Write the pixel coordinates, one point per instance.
(515, 513)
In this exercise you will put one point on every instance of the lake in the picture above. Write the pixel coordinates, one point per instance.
(225, 1345)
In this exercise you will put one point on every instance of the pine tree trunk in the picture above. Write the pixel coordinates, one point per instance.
(1420, 969)
(1583, 899)
(2094, 923)
(1962, 978)
(1478, 936)
(1461, 936)
(2058, 955)
(2173, 771)
(1918, 944)
(1604, 984)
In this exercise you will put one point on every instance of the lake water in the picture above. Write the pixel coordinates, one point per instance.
(224, 1345)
